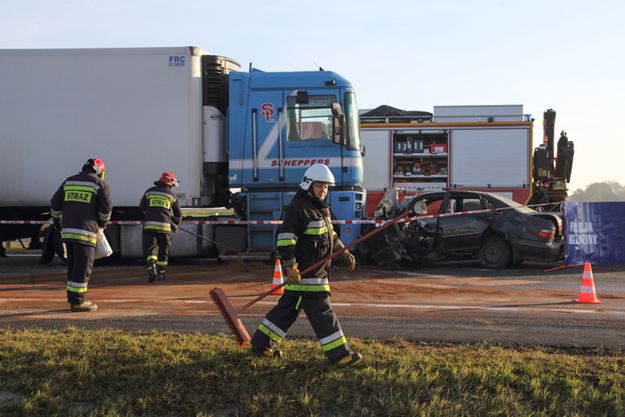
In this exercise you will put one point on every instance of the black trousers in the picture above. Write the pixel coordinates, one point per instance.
(276, 324)
(79, 268)
(156, 246)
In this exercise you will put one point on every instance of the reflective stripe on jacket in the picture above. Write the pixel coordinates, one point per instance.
(161, 209)
(82, 203)
(305, 237)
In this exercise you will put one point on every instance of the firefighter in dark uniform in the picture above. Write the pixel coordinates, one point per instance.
(305, 237)
(81, 208)
(162, 215)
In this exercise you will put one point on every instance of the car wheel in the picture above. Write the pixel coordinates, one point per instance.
(495, 253)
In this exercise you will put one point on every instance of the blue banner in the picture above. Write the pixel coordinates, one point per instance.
(595, 232)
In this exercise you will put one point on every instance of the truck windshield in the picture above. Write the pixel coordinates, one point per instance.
(310, 121)
(352, 122)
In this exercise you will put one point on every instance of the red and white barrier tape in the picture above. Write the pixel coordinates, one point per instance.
(279, 222)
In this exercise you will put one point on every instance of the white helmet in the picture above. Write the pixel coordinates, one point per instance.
(317, 173)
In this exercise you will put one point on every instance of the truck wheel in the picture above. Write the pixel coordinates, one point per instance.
(495, 253)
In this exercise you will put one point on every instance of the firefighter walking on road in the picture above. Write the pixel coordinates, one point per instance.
(305, 237)
(162, 215)
(81, 209)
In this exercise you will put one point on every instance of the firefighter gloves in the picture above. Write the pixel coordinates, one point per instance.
(293, 275)
(347, 260)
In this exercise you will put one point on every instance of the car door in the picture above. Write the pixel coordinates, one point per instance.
(460, 229)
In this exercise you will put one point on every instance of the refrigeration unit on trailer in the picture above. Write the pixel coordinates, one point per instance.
(180, 109)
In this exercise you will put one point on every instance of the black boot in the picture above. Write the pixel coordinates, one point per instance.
(152, 272)
(270, 353)
(161, 274)
(349, 360)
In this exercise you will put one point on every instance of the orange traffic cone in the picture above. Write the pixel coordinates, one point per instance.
(587, 290)
(278, 279)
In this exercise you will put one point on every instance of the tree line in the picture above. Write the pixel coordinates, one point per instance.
(599, 191)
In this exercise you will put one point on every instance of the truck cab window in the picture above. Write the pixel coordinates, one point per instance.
(310, 121)
(352, 121)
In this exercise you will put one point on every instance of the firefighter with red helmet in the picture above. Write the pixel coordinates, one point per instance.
(305, 237)
(162, 215)
(81, 208)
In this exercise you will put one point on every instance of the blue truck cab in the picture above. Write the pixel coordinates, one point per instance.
(281, 123)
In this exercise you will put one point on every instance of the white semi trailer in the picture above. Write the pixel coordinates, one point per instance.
(149, 110)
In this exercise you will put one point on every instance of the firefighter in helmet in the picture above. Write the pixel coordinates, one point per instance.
(81, 209)
(305, 237)
(162, 215)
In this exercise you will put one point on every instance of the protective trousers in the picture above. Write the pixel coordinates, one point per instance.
(156, 247)
(276, 324)
(79, 267)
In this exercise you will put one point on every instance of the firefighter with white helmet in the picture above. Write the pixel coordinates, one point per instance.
(162, 215)
(81, 208)
(305, 237)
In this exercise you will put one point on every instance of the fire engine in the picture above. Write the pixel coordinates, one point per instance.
(481, 148)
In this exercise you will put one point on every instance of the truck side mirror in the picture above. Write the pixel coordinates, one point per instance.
(338, 124)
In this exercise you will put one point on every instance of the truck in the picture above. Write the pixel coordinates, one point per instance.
(239, 141)
(472, 147)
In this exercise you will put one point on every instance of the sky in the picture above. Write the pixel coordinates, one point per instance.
(565, 55)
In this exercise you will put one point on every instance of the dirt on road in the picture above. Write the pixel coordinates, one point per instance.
(426, 304)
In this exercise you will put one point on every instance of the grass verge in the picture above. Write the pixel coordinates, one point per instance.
(113, 373)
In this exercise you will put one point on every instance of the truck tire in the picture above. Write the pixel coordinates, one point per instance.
(495, 253)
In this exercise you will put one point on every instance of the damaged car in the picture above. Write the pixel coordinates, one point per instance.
(452, 225)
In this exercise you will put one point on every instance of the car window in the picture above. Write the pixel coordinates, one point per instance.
(471, 204)
(499, 202)
(427, 205)
(434, 206)
(464, 204)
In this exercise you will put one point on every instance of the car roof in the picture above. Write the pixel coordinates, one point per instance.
(465, 192)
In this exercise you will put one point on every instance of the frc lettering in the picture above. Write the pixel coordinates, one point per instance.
(160, 202)
(177, 60)
(78, 197)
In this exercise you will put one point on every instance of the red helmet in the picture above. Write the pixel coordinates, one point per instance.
(97, 165)
(168, 178)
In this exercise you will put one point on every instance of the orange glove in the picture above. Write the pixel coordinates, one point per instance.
(292, 274)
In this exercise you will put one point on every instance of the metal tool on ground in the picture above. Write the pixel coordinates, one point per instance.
(229, 251)
(230, 314)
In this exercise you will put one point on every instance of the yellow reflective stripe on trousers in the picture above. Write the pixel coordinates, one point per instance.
(311, 285)
(333, 341)
(335, 344)
(270, 333)
(77, 287)
(309, 288)
(74, 236)
(163, 227)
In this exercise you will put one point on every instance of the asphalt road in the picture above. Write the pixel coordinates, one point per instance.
(458, 302)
